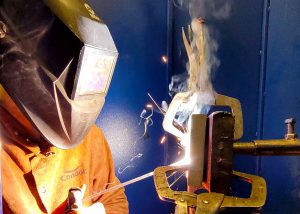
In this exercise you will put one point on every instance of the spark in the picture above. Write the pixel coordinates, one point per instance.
(149, 106)
(164, 59)
(163, 139)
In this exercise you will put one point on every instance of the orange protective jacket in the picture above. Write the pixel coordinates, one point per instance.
(36, 176)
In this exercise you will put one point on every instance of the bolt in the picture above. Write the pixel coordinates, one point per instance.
(290, 122)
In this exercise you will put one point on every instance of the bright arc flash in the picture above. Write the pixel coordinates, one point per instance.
(187, 158)
(183, 162)
(186, 144)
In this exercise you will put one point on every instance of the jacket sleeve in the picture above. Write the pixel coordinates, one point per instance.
(115, 202)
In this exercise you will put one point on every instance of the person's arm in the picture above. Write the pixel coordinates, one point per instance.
(114, 202)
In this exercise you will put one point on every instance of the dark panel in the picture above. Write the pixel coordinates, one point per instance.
(282, 100)
(139, 29)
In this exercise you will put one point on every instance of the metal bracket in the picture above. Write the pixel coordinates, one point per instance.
(235, 105)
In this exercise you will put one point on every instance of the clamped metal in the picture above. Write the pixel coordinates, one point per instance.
(212, 164)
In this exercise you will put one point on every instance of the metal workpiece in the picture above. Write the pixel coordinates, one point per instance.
(268, 147)
(198, 131)
(235, 105)
(220, 152)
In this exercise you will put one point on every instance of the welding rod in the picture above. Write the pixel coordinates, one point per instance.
(142, 177)
(119, 186)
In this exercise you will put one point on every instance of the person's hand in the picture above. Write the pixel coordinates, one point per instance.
(94, 208)
(75, 205)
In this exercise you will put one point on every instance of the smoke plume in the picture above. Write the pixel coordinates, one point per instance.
(217, 9)
(208, 9)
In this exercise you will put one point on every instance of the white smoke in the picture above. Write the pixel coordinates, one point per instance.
(217, 9)
(195, 94)
(178, 83)
(208, 10)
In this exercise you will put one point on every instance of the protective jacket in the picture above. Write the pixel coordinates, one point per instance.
(36, 176)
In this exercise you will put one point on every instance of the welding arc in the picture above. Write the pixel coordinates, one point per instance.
(119, 186)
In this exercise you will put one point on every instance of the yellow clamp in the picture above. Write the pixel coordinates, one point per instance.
(209, 203)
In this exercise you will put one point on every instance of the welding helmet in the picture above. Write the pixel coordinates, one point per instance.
(57, 61)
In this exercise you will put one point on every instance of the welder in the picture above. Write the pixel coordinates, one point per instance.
(56, 63)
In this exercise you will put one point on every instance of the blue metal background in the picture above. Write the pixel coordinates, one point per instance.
(282, 100)
(139, 29)
(259, 65)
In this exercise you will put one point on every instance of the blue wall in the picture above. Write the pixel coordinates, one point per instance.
(259, 54)
(282, 100)
(139, 29)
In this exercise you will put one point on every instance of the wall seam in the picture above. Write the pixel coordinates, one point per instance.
(262, 79)
(169, 63)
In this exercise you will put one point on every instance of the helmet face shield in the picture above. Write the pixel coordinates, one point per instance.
(57, 69)
(94, 73)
